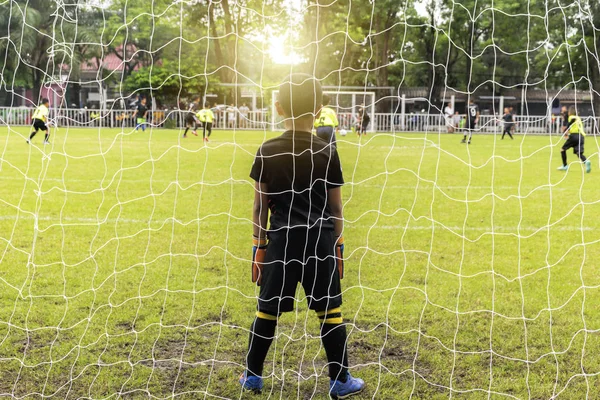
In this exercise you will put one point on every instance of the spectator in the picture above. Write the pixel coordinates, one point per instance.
(231, 117)
(448, 113)
(244, 112)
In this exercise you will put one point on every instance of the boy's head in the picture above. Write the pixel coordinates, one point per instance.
(206, 105)
(326, 100)
(572, 110)
(505, 110)
(300, 95)
(143, 100)
(45, 102)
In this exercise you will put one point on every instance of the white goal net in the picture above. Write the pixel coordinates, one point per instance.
(471, 270)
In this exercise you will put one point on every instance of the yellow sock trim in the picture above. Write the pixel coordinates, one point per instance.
(332, 311)
(266, 316)
(336, 321)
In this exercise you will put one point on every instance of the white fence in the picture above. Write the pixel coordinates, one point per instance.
(261, 120)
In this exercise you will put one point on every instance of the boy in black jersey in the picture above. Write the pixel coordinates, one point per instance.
(472, 120)
(298, 181)
(190, 119)
(508, 121)
(141, 112)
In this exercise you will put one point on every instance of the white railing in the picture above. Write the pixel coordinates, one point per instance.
(124, 118)
(260, 120)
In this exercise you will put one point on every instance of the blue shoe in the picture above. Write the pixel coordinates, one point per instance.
(588, 166)
(563, 168)
(343, 390)
(251, 383)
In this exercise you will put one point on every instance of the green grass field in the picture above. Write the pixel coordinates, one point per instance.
(471, 272)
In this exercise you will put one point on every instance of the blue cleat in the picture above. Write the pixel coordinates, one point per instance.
(343, 390)
(588, 166)
(563, 168)
(252, 383)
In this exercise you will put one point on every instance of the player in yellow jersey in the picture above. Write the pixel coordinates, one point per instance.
(327, 122)
(40, 119)
(207, 117)
(576, 140)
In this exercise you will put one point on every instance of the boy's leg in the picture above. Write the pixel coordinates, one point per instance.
(277, 291)
(262, 332)
(563, 154)
(33, 133)
(209, 128)
(333, 336)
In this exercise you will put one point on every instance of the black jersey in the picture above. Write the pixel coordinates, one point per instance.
(565, 118)
(472, 110)
(298, 169)
(193, 109)
(141, 110)
(508, 118)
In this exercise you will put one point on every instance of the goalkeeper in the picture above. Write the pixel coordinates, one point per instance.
(40, 118)
(298, 178)
(327, 123)
(576, 141)
(206, 117)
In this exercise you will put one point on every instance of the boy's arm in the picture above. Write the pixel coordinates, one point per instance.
(334, 201)
(260, 211)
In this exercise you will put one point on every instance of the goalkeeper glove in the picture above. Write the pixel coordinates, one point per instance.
(339, 255)
(259, 250)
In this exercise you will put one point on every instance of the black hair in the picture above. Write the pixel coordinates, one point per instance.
(326, 100)
(300, 94)
(45, 100)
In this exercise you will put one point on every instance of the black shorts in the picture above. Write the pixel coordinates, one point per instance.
(470, 125)
(307, 257)
(326, 133)
(38, 124)
(190, 120)
(575, 141)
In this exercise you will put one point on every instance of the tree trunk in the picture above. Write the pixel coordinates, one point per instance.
(230, 39)
(217, 43)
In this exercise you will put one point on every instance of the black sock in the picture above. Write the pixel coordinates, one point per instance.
(186, 129)
(465, 137)
(261, 336)
(509, 134)
(582, 157)
(46, 136)
(503, 133)
(564, 157)
(32, 135)
(333, 337)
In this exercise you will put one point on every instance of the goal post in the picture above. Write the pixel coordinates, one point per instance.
(346, 104)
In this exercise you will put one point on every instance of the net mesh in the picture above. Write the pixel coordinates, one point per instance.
(125, 249)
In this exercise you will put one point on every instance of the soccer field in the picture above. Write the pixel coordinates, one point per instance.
(471, 272)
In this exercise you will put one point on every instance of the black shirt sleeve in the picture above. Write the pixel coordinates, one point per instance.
(258, 172)
(335, 177)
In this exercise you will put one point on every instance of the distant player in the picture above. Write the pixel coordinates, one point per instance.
(508, 122)
(564, 116)
(327, 122)
(40, 119)
(448, 114)
(298, 181)
(140, 114)
(576, 141)
(365, 119)
(206, 117)
(472, 121)
(191, 121)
